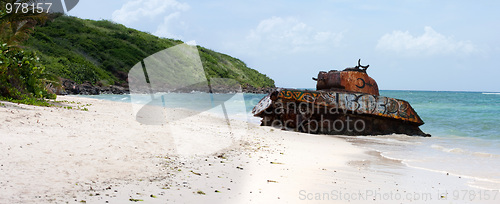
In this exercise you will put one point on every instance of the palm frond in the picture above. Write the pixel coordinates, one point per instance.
(16, 27)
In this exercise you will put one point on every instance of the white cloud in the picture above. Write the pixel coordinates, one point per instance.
(164, 29)
(429, 43)
(290, 35)
(136, 12)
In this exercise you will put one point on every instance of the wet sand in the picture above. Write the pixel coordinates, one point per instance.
(104, 155)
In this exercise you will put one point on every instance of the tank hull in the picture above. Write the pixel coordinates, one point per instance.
(338, 113)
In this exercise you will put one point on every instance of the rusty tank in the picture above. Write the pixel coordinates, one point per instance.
(345, 102)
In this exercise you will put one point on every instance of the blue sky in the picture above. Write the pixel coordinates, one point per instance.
(410, 45)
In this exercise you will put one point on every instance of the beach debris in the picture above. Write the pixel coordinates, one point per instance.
(344, 103)
(276, 163)
(152, 196)
(271, 181)
(200, 192)
(240, 168)
(221, 156)
(195, 173)
(135, 200)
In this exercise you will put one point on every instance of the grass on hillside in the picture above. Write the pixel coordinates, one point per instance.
(104, 52)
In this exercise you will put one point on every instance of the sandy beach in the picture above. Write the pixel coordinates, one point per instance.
(97, 152)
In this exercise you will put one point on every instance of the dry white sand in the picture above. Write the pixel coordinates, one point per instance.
(103, 155)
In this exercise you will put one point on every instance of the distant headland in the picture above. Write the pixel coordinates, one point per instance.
(94, 57)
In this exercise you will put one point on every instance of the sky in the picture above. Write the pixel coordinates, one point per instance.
(410, 45)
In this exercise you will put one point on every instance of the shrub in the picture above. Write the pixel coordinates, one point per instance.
(21, 75)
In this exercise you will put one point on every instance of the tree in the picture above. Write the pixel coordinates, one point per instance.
(21, 75)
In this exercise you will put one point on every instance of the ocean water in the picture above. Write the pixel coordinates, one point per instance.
(465, 129)
(465, 142)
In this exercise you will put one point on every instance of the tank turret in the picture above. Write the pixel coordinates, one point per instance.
(352, 79)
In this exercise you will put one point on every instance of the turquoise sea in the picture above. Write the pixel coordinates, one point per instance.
(465, 129)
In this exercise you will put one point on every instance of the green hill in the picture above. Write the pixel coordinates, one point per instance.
(103, 52)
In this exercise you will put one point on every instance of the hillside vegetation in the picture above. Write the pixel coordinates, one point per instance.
(103, 52)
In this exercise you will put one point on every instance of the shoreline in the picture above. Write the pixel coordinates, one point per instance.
(427, 154)
(103, 154)
(70, 87)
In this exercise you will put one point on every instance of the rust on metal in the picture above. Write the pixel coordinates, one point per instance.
(344, 101)
(352, 79)
(357, 103)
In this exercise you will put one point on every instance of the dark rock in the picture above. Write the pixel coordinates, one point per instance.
(263, 90)
(87, 88)
(70, 87)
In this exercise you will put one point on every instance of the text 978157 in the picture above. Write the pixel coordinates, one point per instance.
(27, 8)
